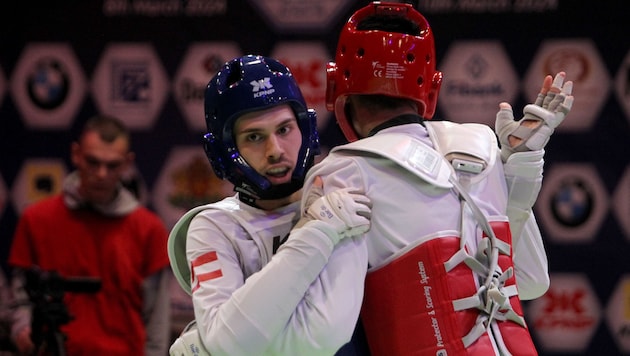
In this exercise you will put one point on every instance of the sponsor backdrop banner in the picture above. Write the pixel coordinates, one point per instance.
(148, 62)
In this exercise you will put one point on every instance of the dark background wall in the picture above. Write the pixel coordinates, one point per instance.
(600, 261)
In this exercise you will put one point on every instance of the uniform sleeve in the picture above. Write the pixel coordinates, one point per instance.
(325, 317)
(524, 175)
(337, 172)
(530, 262)
(284, 307)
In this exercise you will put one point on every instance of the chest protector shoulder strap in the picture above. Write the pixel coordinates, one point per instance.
(409, 153)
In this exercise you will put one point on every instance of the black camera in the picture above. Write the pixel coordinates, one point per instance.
(46, 290)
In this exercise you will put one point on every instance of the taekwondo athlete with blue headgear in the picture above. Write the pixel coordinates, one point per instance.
(261, 285)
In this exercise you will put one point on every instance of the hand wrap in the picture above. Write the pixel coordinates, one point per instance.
(548, 111)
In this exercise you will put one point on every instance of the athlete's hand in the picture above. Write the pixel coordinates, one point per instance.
(347, 212)
(540, 119)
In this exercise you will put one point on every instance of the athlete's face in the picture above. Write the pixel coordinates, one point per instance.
(270, 140)
(100, 165)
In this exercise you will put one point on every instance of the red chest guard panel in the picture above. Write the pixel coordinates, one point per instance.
(409, 305)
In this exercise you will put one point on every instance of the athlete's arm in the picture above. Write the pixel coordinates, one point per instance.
(522, 151)
(524, 174)
(283, 308)
(530, 262)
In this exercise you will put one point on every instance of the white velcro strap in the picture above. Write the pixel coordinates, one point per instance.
(511, 315)
(511, 290)
(472, 302)
(456, 259)
(476, 331)
(503, 246)
(551, 119)
(539, 138)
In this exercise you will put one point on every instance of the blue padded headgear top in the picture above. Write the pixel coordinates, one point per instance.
(246, 84)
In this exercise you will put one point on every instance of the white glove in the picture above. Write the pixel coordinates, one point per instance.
(346, 212)
(540, 119)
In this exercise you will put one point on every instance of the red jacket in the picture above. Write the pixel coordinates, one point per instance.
(121, 251)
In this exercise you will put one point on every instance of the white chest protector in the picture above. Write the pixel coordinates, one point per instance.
(189, 341)
(437, 299)
(178, 235)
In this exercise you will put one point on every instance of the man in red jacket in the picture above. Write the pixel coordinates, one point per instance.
(96, 228)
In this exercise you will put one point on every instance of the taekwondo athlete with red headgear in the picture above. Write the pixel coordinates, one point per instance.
(453, 245)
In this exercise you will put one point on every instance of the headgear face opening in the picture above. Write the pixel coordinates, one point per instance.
(246, 84)
(377, 59)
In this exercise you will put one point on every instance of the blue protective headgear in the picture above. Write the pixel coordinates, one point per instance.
(246, 84)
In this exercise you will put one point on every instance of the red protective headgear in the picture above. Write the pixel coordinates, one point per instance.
(380, 62)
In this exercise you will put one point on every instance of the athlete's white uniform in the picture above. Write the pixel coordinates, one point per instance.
(407, 210)
(303, 301)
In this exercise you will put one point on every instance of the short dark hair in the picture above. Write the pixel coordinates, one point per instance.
(108, 128)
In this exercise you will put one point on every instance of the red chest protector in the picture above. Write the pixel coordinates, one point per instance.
(432, 301)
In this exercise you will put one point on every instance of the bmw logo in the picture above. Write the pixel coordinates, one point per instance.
(48, 84)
